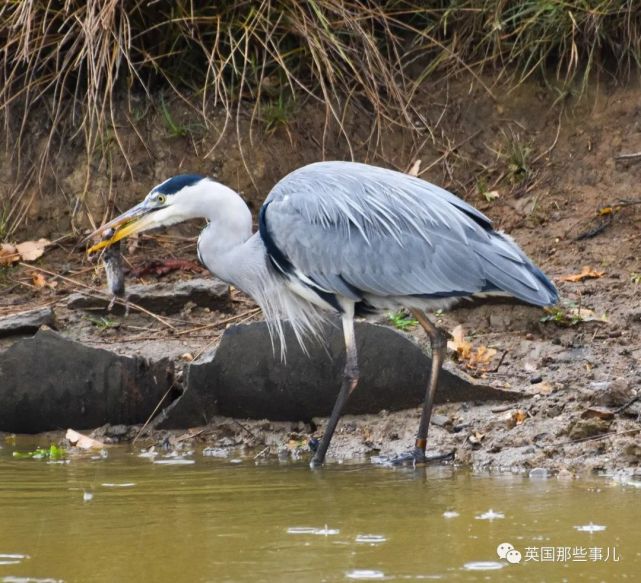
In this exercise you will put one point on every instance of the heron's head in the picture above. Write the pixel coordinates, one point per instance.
(175, 200)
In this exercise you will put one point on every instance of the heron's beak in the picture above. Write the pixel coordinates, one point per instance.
(136, 219)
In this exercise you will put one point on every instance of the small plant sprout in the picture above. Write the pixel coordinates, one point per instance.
(402, 321)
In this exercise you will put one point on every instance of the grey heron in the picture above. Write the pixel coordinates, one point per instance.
(351, 239)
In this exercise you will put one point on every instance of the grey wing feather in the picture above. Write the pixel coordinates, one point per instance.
(353, 229)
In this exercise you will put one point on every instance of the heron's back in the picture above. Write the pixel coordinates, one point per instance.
(368, 234)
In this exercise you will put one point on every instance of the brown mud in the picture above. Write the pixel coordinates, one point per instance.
(540, 170)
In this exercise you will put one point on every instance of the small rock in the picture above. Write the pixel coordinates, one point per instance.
(535, 379)
(440, 420)
(538, 474)
(632, 452)
(116, 430)
(219, 452)
(616, 393)
(499, 321)
(597, 412)
(163, 297)
(565, 474)
(587, 428)
(27, 322)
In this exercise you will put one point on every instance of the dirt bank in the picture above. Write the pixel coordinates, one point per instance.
(539, 170)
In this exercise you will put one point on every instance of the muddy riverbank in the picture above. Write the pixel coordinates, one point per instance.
(551, 176)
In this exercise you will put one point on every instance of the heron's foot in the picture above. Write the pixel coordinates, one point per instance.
(415, 457)
(316, 463)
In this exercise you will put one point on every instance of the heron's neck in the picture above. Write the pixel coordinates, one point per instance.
(229, 228)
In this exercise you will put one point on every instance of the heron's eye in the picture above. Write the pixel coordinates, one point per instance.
(161, 199)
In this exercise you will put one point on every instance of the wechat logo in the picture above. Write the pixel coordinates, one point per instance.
(509, 553)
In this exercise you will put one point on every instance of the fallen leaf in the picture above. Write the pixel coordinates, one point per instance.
(26, 251)
(491, 195)
(8, 254)
(415, 169)
(586, 273)
(459, 344)
(482, 356)
(32, 250)
(474, 359)
(519, 416)
(83, 441)
(38, 280)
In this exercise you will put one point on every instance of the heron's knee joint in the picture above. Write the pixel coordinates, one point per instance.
(352, 375)
(439, 340)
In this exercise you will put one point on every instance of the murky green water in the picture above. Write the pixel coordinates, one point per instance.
(125, 518)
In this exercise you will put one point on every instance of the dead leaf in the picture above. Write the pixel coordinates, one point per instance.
(519, 416)
(26, 251)
(482, 356)
(415, 169)
(32, 250)
(586, 273)
(477, 360)
(40, 281)
(459, 344)
(8, 254)
(83, 441)
(491, 195)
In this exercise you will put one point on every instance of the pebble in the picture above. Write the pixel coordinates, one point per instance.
(539, 474)
(440, 420)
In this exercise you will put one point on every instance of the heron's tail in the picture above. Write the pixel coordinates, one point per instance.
(508, 270)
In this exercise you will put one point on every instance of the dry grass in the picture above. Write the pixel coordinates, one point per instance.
(67, 66)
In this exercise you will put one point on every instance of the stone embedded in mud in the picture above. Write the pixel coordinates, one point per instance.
(616, 393)
(583, 428)
(27, 322)
(247, 378)
(49, 382)
(168, 298)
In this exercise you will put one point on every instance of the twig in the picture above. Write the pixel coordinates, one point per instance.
(151, 416)
(496, 368)
(596, 437)
(202, 350)
(243, 428)
(556, 139)
(220, 323)
(261, 452)
(101, 293)
(633, 156)
(626, 405)
(448, 151)
(190, 435)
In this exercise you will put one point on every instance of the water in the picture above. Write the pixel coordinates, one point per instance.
(125, 518)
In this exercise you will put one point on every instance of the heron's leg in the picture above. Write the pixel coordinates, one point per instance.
(438, 342)
(350, 380)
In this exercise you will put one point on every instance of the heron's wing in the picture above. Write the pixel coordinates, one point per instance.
(354, 229)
